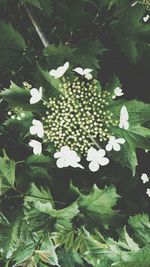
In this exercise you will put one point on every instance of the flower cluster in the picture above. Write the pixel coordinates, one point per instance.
(146, 3)
(79, 116)
(16, 113)
(78, 120)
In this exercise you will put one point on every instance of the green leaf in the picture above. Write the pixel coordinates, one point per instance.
(58, 55)
(12, 47)
(98, 205)
(87, 53)
(47, 252)
(127, 30)
(69, 258)
(7, 175)
(126, 242)
(38, 160)
(140, 225)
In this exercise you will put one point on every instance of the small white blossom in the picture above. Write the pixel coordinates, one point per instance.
(146, 18)
(114, 143)
(144, 178)
(124, 117)
(60, 71)
(36, 95)
(148, 192)
(67, 157)
(117, 92)
(37, 128)
(84, 72)
(97, 158)
(37, 147)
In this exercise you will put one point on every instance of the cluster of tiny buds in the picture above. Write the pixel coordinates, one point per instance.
(16, 113)
(27, 85)
(78, 116)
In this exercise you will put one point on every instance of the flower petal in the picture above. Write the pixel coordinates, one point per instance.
(109, 146)
(103, 161)
(91, 154)
(94, 166)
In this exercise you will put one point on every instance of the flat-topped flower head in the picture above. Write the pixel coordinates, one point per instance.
(36, 95)
(117, 92)
(37, 128)
(60, 71)
(81, 112)
(84, 72)
(124, 117)
(37, 147)
(114, 143)
(67, 157)
(97, 158)
(144, 178)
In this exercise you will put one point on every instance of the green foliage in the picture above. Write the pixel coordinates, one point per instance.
(12, 47)
(7, 174)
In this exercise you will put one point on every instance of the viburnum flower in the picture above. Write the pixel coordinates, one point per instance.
(36, 95)
(60, 71)
(97, 158)
(37, 147)
(84, 72)
(144, 178)
(148, 192)
(67, 157)
(37, 128)
(117, 92)
(124, 117)
(114, 143)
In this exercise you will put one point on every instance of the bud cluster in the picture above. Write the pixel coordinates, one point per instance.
(16, 113)
(78, 116)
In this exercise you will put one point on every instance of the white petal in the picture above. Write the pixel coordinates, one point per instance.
(103, 161)
(148, 192)
(53, 72)
(65, 150)
(146, 18)
(124, 113)
(101, 153)
(91, 154)
(87, 71)
(36, 95)
(94, 166)
(109, 146)
(88, 76)
(121, 140)
(37, 147)
(57, 155)
(61, 163)
(60, 71)
(79, 71)
(116, 147)
(118, 91)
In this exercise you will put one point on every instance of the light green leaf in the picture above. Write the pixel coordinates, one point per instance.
(7, 174)
(98, 205)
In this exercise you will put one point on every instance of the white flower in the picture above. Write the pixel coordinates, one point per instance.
(37, 128)
(97, 159)
(124, 117)
(117, 92)
(60, 71)
(84, 72)
(146, 18)
(114, 143)
(144, 178)
(36, 95)
(37, 147)
(148, 192)
(67, 157)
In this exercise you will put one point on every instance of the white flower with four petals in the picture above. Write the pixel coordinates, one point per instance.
(117, 92)
(114, 143)
(37, 128)
(60, 71)
(124, 117)
(36, 95)
(144, 178)
(84, 72)
(97, 158)
(37, 147)
(67, 157)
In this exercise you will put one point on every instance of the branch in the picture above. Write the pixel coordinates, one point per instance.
(37, 27)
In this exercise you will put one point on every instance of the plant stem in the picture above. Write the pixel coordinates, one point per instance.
(37, 26)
